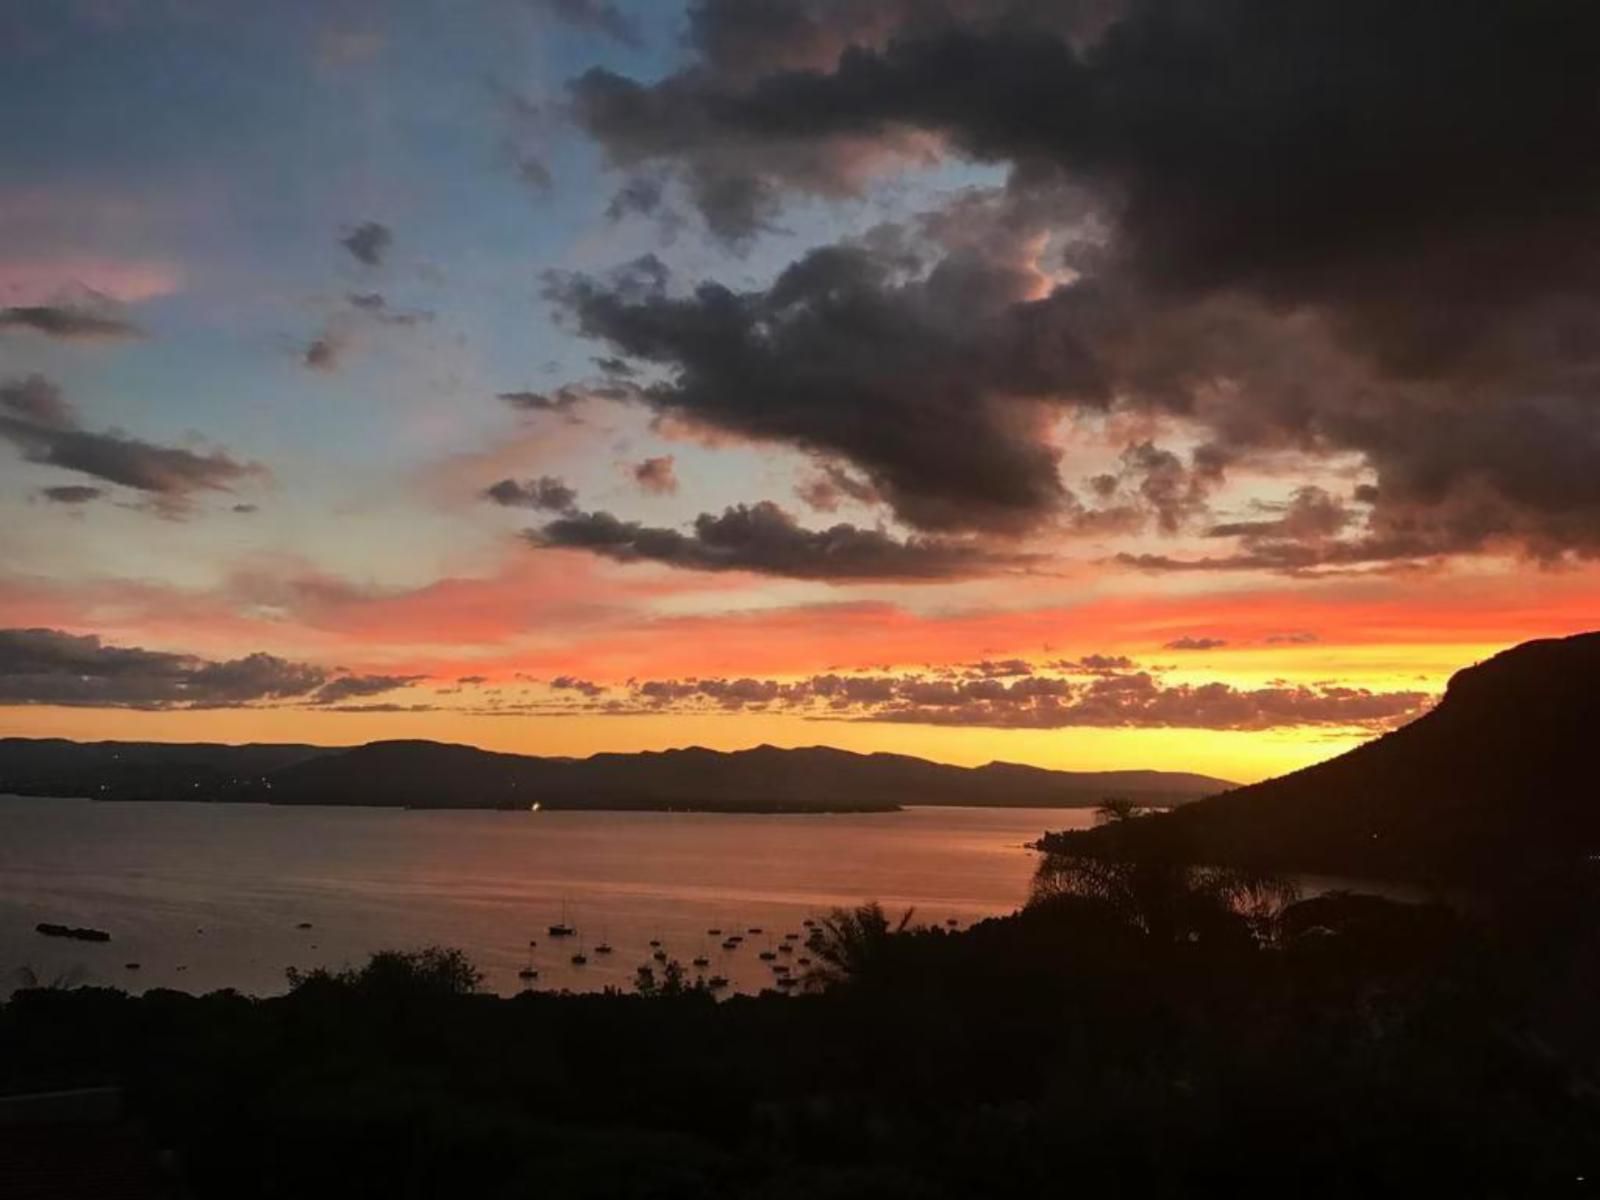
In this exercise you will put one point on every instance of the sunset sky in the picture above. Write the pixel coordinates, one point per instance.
(1097, 384)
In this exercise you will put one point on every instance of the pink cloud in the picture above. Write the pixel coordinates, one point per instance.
(41, 280)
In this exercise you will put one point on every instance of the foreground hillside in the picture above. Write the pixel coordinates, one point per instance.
(1502, 772)
(421, 774)
(1348, 1046)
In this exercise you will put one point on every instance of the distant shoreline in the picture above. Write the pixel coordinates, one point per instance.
(437, 775)
(690, 811)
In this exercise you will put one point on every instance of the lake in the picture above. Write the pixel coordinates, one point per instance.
(211, 896)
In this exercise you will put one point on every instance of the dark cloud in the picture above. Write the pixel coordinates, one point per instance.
(37, 419)
(547, 492)
(67, 322)
(562, 400)
(1196, 643)
(640, 196)
(932, 384)
(346, 326)
(764, 539)
(1310, 515)
(1343, 228)
(584, 687)
(1035, 701)
(1173, 492)
(656, 475)
(832, 485)
(71, 493)
(34, 400)
(377, 306)
(47, 666)
(368, 242)
(598, 16)
(322, 353)
(1003, 669)
(350, 687)
(1375, 118)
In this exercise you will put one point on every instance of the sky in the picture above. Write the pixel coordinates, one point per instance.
(1089, 383)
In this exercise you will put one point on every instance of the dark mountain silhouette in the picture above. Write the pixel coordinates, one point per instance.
(1502, 772)
(120, 770)
(423, 774)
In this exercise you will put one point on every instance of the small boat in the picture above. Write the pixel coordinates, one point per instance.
(952, 921)
(660, 956)
(603, 948)
(730, 944)
(564, 927)
(303, 925)
(655, 943)
(755, 929)
(717, 982)
(803, 961)
(808, 923)
(768, 956)
(76, 932)
(580, 958)
(791, 937)
(785, 949)
(736, 937)
(779, 969)
(130, 966)
(701, 960)
(713, 933)
(528, 973)
(785, 981)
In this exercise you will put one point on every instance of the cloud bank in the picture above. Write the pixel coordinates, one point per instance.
(1317, 230)
(51, 667)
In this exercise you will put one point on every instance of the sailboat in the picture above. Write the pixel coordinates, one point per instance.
(580, 958)
(529, 972)
(564, 927)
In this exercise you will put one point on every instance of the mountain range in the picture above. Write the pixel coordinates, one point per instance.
(423, 774)
(1502, 771)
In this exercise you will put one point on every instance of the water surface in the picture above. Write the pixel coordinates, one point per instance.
(209, 896)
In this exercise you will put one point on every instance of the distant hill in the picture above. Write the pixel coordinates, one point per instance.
(58, 767)
(1504, 769)
(422, 774)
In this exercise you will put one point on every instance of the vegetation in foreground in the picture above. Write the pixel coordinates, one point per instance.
(1138, 1029)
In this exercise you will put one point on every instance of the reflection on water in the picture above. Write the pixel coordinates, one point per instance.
(209, 896)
